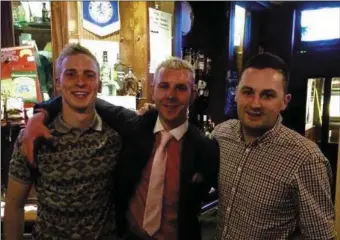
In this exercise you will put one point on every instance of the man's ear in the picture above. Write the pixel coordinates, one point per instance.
(286, 101)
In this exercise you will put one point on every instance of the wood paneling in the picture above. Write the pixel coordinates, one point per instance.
(59, 27)
(126, 32)
(59, 30)
(140, 59)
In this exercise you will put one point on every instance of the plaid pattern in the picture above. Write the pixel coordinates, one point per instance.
(272, 187)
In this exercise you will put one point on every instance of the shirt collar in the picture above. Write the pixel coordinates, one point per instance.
(177, 132)
(61, 126)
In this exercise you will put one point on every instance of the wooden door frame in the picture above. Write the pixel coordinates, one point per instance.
(59, 32)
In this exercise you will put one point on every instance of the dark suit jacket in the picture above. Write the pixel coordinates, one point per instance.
(200, 155)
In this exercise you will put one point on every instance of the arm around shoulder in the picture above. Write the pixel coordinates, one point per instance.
(119, 118)
(52, 107)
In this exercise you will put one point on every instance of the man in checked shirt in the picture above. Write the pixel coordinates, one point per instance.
(273, 182)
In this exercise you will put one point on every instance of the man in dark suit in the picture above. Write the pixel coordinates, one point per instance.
(159, 187)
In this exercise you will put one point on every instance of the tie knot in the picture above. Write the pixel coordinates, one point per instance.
(165, 137)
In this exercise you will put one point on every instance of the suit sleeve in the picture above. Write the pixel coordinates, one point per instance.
(53, 107)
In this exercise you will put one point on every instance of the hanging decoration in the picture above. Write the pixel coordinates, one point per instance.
(101, 17)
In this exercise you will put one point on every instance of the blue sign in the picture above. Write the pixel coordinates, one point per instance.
(101, 17)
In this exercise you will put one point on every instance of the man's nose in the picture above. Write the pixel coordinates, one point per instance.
(256, 101)
(80, 80)
(171, 94)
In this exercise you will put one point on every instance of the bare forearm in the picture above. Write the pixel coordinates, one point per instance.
(13, 223)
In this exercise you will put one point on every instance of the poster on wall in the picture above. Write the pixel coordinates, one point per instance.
(101, 17)
(160, 37)
(19, 77)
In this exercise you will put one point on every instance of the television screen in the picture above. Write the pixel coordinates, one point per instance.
(320, 24)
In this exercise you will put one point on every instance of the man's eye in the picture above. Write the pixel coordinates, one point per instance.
(163, 86)
(247, 93)
(268, 96)
(182, 88)
(90, 75)
(70, 74)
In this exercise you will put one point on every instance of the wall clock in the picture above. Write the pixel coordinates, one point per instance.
(101, 17)
(101, 12)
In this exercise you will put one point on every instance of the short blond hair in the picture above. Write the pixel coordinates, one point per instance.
(176, 64)
(74, 49)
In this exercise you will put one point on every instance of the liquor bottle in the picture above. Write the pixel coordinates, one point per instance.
(206, 128)
(188, 55)
(119, 70)
(200, 61)
(207, 78)
(130, 84)
(106, 78)
(211, 125)
(44, 11)
(230, 109)
(199, 122)
(194, 60)
(140, 89)
(201, 81)
(208, 67)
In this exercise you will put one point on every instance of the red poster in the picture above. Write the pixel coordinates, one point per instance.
(19, 76)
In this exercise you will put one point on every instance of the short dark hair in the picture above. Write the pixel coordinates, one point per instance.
(269, 60)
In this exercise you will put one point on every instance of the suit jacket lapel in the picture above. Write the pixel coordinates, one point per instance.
(147, 142)
(188, 156)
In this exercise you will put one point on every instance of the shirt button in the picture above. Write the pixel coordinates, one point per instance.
(239, 169)
(233, 190)
(228, 209)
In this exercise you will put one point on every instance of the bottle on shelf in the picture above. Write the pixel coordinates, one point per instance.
(188, 55)
(200, 74)
(202, 100)
(108, 88)
(203, 75)
(208, 66)
(119, 71)
(140, 89)
(200, 61)
(199, 122)
(206, 128)
(211, 125)
(130, 83)
(45, 13)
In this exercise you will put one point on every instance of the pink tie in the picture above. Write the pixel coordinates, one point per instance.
(154, 200)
